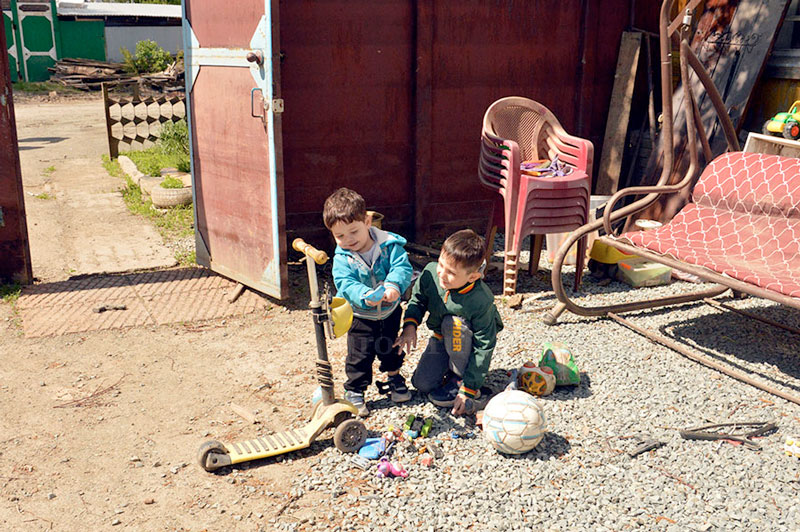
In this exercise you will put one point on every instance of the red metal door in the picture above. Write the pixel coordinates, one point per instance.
(234, 106)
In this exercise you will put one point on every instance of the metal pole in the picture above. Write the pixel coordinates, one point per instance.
(704, 360)
(324, 371)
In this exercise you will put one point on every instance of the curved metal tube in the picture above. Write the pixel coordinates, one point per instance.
(688, 58)
(713, 93)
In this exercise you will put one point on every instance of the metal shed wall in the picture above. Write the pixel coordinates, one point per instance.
(387, 97)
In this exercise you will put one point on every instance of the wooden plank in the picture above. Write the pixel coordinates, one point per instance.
(758, 143)
(619, 112)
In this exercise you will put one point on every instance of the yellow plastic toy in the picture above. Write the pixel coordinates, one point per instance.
(786, 124)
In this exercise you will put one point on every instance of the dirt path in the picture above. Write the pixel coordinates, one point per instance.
(77, 221)
(101, 429)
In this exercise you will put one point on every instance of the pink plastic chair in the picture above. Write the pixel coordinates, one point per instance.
(517, 129)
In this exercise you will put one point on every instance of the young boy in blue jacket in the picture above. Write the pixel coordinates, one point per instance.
(370, 270)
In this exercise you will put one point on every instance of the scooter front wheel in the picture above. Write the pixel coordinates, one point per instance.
(350, 436)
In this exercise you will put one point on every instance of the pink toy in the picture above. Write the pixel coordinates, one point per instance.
(389, 469)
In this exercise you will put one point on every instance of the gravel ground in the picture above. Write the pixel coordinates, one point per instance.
(580, 476)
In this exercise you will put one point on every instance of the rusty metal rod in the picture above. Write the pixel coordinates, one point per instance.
(724, 306)
(675, 346)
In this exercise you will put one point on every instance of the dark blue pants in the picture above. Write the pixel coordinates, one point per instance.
(366, 340)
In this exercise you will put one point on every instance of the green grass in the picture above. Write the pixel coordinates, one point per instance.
(112, 167)
(9, 293)
(36, 87)
(47, 172)
(152, 160)
(172, 224)
(45, 196)
(172, 182)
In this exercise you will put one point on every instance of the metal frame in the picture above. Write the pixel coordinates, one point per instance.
(695, 129)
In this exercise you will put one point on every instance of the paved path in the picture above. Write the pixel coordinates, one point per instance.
(77, 220)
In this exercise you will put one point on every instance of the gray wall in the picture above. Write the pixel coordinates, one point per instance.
(168, 37)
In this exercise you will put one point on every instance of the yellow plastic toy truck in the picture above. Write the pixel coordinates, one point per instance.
(786, 124)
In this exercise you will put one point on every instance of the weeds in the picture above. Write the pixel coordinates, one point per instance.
(45, 196)
(9, 293)
(172, 224)
(47, 172)
(152, 160)
(171, 182)
(112, 167)
(174, 141)
(42, 87)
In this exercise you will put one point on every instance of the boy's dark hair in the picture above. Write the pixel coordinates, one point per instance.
(344, 205)
(466, 248)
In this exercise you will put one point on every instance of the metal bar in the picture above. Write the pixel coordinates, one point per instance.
(768, 321)
(675, 346)
(705, 273)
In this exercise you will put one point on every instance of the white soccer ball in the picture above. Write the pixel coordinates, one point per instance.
(514, 422)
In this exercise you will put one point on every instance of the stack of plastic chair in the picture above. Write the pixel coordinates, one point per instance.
(516, 130)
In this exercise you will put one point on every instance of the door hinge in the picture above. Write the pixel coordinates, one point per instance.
(277, 106)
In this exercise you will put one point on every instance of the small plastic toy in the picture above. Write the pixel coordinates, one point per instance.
(417, 426)
(373, 448)
(387, 469)
(375, 295)
(463, 435)
(558, 357)
(361, 462)
(536, 380)
(426, 428)
(786, 124)
(434, 450)
(791, 446)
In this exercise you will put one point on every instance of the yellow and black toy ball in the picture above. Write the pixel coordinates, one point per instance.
(536, 380)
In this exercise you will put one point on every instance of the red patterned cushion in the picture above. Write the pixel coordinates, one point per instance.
(744, 222)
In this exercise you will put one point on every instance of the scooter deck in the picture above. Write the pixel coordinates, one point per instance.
(266, 446)
(288, 440)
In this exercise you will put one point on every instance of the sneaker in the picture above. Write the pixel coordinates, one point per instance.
(445, 395)
(400, 392)
(357, 400)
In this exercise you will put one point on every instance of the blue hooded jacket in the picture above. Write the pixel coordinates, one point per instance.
(353, 278)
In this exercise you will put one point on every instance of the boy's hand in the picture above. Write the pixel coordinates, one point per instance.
(370, 303)
(407, 339)
(460, 406)
(391, 295)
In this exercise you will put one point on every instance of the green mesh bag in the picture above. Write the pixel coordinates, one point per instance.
(557, 356)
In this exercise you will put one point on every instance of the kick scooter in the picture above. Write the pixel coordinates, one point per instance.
(349, 434)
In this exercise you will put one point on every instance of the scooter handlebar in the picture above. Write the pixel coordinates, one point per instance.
(319, 256)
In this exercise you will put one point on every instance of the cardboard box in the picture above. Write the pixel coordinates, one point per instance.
(638, 271)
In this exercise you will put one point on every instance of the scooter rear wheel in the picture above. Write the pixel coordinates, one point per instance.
(212, 455)
(350, 436)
